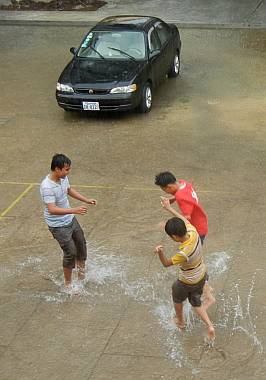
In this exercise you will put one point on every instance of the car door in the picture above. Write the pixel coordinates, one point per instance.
(155, 57)
(165, 37)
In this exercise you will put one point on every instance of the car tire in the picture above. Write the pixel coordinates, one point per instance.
(146, 99)
(175, 67)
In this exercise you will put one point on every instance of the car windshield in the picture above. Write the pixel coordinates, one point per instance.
(119, 45)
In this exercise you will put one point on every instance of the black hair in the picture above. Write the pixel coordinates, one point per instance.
(175, 226)
(165, 178)
(59, 161)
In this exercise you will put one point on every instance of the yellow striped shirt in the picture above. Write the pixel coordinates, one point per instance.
(189, 258)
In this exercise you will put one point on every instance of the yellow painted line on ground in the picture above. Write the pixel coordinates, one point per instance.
(95, 186)
(16, 200)
(116, 187)
(18, 183)
(105, 187)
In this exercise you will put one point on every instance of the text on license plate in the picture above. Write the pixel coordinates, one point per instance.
(91, 106)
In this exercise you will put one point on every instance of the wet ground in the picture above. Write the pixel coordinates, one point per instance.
(207, 126)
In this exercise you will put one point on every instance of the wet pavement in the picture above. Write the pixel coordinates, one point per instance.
(207, 126)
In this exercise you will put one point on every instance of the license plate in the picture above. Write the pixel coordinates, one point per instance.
(91, 106)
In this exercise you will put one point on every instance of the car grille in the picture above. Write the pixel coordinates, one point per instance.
(96, 91)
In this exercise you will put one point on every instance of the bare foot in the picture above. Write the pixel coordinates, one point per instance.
(211, 333)
(81, 275)
(66, 288)
(73, 290)
(180, 325)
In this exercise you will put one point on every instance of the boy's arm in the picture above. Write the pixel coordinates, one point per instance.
(55, 210)
(171, 200)
(179, 258)
(49, 200)
(166, 204)
(76, 195)
(164, 260)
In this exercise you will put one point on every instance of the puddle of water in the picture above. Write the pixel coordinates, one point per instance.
(154, 290)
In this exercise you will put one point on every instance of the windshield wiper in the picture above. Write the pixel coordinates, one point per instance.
(96, 51)
(123, 52)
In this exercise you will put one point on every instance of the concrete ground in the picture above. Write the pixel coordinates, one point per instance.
(207, 126)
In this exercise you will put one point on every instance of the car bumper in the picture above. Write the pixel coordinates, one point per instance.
(107, 102)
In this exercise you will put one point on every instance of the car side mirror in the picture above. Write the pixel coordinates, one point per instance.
(154, 53)
(73, 50)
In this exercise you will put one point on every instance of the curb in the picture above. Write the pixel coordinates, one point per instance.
(182, 25)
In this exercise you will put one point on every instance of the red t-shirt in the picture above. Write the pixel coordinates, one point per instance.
(188, 203)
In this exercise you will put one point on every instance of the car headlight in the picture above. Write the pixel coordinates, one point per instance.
(64, 87)
(124, 89)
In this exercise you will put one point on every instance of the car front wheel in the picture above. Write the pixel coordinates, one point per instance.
(146, 98)
(175, 68)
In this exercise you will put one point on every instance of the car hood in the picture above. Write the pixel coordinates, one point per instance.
(83, 71)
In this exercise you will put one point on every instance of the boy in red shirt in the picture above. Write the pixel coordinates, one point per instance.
(183, 193)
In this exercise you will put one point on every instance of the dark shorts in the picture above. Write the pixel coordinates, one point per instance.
(182, 291)
(72, 241)
(202, 238)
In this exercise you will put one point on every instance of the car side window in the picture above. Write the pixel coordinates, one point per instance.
(154, 43)
(163, 31)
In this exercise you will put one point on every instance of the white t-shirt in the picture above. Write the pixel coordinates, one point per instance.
(56, 192)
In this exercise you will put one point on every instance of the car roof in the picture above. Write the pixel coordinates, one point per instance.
(126, 22)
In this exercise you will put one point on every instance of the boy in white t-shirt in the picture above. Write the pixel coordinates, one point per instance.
(60, 217)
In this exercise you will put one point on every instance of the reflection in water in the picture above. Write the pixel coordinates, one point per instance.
(105, 269)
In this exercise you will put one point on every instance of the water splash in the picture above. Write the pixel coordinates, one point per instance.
(236, 313)
(152, 288)
(217, 263)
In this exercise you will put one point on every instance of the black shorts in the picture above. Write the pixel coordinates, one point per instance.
(182, 291)
(202, 238)
(72, 241)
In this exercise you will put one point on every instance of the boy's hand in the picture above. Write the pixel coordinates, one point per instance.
(92, 202)
(165, 202)
(81, 210)
(159, 249)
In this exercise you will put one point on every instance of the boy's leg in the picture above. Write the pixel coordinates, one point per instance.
(180, 322)
(63, 237)
(201, 312)
(67, 276)
(81, 269)
(69, 250)
(81, 247)
(208, 298)
(195, 300)
(179, 295)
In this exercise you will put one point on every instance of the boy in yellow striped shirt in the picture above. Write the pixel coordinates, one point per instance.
(192, 270)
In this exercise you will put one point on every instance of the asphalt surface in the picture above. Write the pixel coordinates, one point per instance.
(207, 126)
